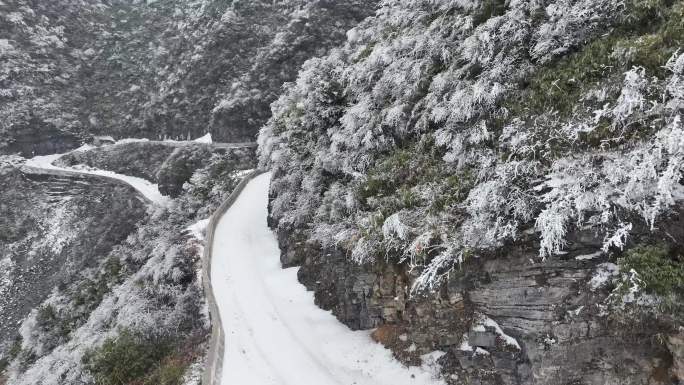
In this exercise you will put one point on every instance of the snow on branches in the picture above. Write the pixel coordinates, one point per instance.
(415, 140)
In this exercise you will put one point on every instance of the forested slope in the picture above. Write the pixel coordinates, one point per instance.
(173, 68)
(100, 287)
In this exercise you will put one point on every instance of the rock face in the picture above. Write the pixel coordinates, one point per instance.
(547, 324)
(676, 345)
(53, 228)
(37, 138)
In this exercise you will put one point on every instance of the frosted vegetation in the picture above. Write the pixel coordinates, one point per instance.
(444, 130)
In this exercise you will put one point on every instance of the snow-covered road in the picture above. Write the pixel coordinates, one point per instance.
(274, 332)
(148, 189)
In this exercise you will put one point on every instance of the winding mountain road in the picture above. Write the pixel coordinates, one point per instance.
(274, 333)
(267, 329)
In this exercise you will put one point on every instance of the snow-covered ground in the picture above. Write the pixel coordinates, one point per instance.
(146, 188)
(274, 332)
(204, 139)
(197, 229)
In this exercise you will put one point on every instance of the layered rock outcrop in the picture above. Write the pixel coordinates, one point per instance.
(502, 319)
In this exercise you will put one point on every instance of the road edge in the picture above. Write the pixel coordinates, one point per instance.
(214, 361)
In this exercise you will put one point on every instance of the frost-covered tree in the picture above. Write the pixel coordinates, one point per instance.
(447, 129)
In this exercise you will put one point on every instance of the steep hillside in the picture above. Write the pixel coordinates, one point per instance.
(173, 68)
(52, 228)
(227, 61)
(501, 180)
(114, 286)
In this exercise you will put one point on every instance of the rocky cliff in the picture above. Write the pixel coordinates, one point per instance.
(502, 319)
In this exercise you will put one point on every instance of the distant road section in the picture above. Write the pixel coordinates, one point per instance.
(149, 190)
